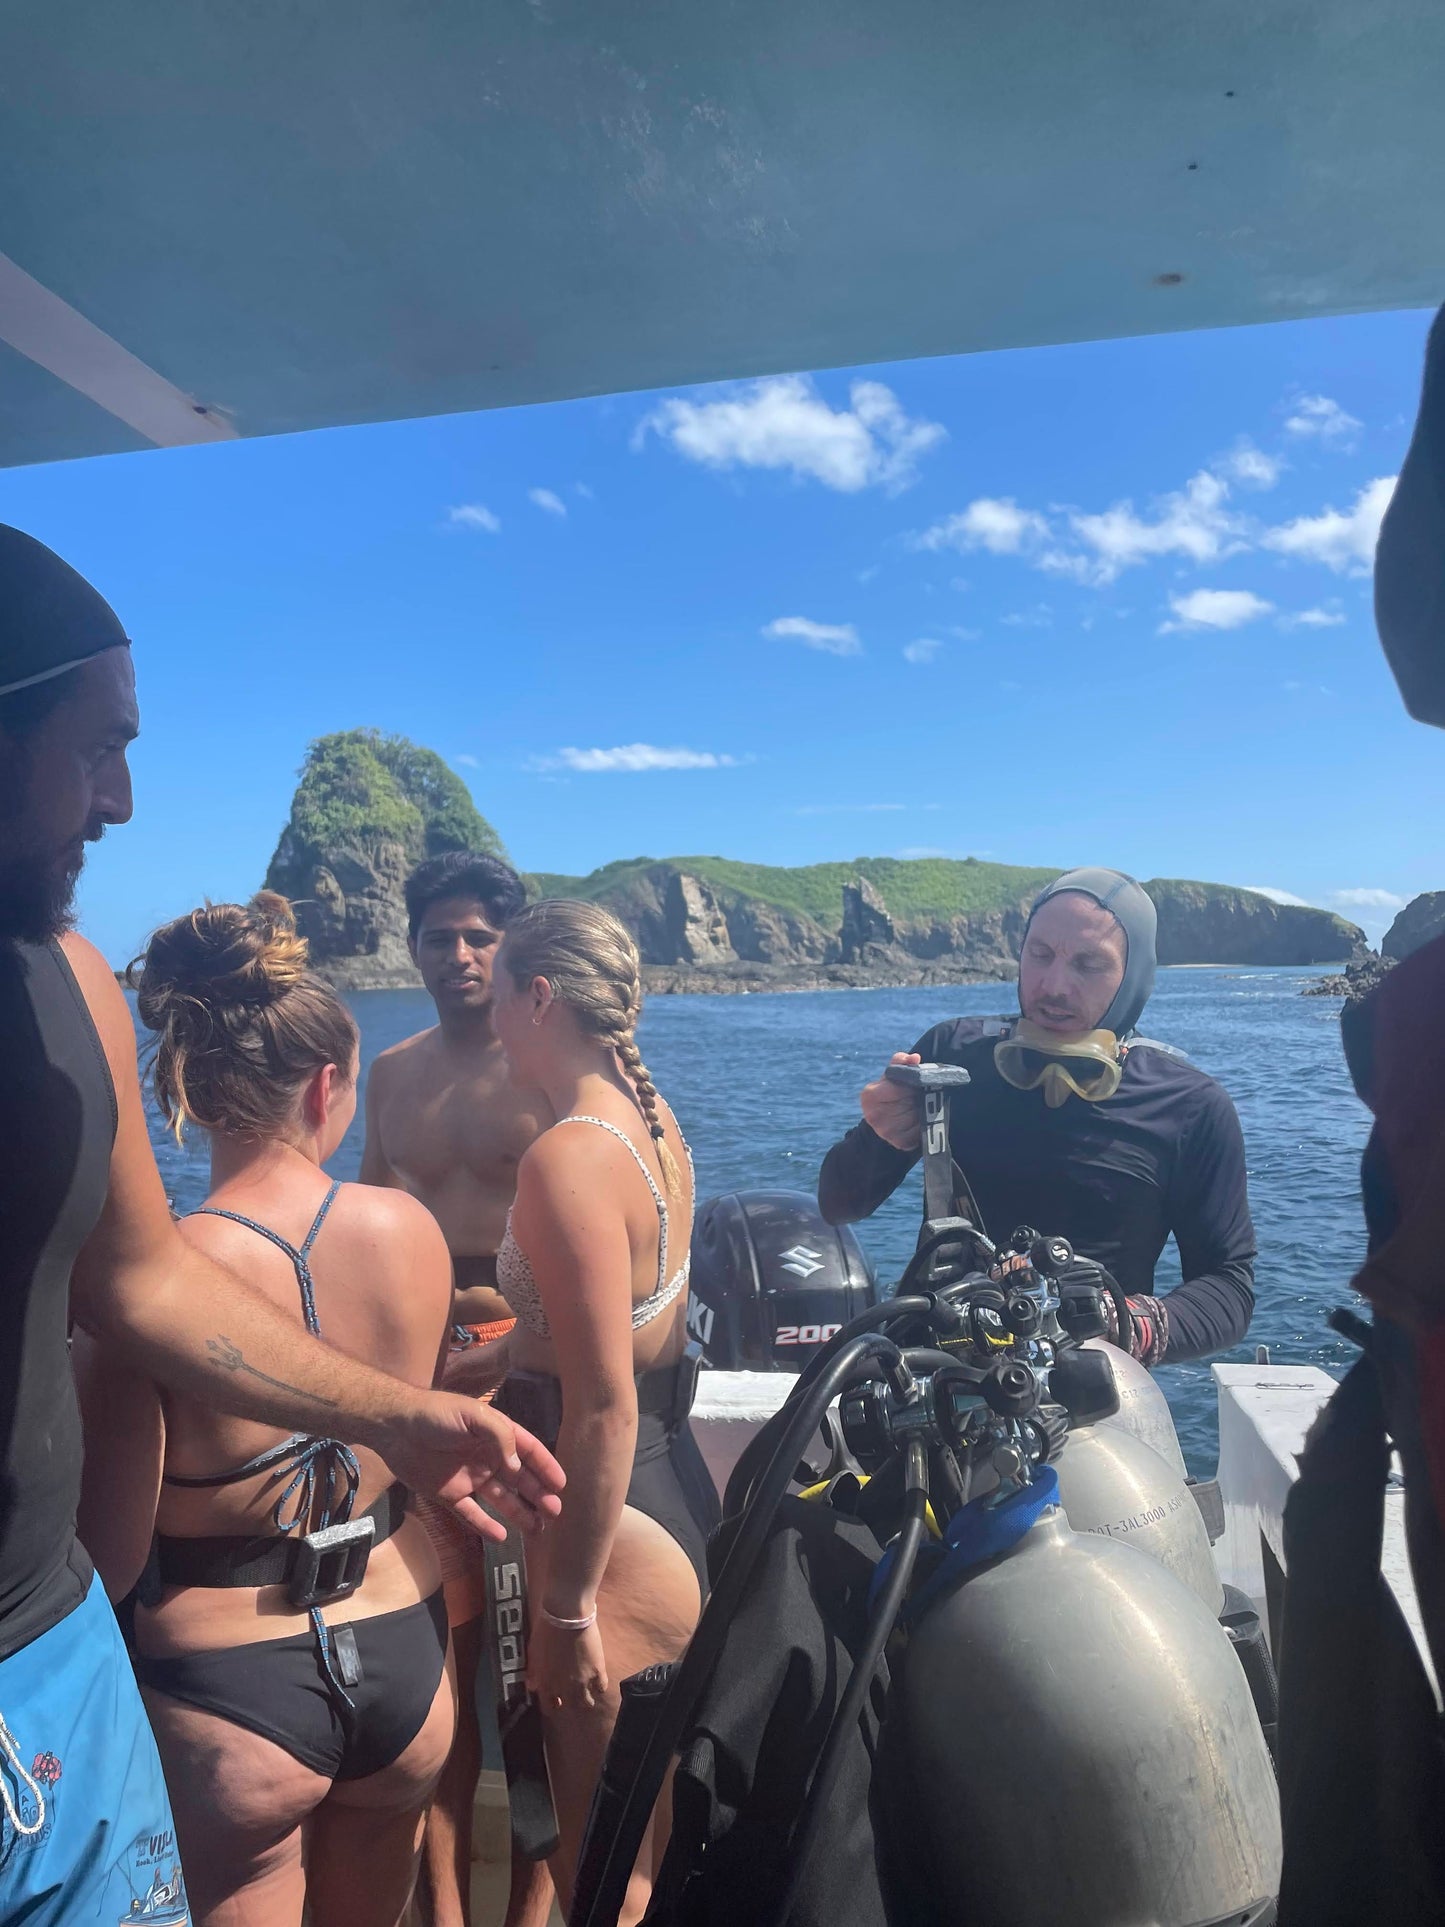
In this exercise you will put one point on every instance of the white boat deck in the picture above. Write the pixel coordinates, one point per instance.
(1264, 1413)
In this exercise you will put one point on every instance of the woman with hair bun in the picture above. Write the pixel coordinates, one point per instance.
(595, 1265)
(289, 1633)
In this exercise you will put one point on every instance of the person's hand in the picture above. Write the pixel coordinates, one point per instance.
(459, 1451)
(566, 1670)
(476, 1370)
(892, 1110)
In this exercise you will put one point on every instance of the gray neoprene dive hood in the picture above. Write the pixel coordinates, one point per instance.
(1132, 908)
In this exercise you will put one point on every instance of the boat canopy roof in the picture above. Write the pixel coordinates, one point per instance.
(219, 218)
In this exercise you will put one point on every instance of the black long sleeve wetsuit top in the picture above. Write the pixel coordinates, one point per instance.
(1164, 1154)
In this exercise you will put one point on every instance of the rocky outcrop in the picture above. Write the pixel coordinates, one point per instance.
(1356, 982)
(762, 933)
(867, 926)
(695, 923)
(1213, 923)
(350, 911)
(1419, 923)
(367, 810)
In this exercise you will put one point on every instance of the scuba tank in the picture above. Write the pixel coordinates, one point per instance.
(1143, 1408)
(1113, 1485)
(1083, 1747)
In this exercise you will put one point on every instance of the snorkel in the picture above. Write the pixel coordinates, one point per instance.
(1090, 1063)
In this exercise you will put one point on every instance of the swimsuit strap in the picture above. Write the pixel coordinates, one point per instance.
(298, 1465)
(602, 1124)
(299, 1258)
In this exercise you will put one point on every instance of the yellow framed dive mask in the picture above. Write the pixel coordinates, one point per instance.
(1087, 1065)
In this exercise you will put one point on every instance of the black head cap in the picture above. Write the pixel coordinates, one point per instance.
(51, 619)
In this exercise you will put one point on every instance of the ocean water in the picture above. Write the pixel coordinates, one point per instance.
(762, 1085)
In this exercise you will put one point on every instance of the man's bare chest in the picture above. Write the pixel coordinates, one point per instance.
(467, 1127)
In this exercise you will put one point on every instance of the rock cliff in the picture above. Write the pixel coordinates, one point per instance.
(368, 808)
(1421, 920)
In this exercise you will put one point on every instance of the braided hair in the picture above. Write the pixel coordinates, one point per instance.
(591, 962)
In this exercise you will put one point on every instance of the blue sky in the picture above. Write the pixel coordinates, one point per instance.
(1104, 603)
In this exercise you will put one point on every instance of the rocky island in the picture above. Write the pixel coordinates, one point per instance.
(369, 806)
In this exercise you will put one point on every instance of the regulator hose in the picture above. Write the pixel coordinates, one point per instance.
(880, 1625)
(758, 1452)
(803, 1411)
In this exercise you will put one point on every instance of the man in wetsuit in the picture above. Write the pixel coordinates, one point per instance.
(86, 1234)
(1073, 1124)
(444, 1123)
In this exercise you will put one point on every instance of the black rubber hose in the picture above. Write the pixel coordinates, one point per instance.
(602, 1906)
(1122, 1312)
(880, 1625)
(759, 1449)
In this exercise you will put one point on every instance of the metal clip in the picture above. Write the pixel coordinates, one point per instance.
(330, 1564)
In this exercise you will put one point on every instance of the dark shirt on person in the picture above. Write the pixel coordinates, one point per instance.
(57, 1130)
(1164, 1154)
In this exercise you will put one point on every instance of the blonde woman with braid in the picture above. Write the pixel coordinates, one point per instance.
(594, 1264)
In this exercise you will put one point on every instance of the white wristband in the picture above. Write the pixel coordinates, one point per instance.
(570, 1625)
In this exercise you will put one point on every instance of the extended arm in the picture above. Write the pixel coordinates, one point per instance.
(183, 1321)
(1210, 1310)
(866, 1167)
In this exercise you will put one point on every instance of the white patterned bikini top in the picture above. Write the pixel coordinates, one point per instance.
(517, 1282)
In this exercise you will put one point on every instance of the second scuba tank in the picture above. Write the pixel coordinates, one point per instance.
(1082, 1746)
(1113, 1485)
(1143, 1408)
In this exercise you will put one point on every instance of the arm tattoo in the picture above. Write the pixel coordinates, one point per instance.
(227, 1357)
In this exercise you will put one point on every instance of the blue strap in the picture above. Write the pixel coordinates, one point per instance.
(978, 1532)
(298, 1258)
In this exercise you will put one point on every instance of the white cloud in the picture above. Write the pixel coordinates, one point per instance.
(784, 423)
(1041, 616)
(1215, 609)
(474, 515)
(584, 491)
(1250, 466)
(468, 762)
(1322, 618)
(924, 650)
(964, 635)
(634, 757)
(1343, 540)
(1317, 418)
(1193, 522)
(544, 499)
(833, 638)
(914, 851)
(995, 523)
(1367, 899)
(1275, 896)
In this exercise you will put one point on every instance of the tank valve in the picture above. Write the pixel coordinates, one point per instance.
(1010, 1389)
(1023, 1315)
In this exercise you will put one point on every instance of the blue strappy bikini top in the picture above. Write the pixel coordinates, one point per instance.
(518, 1284)
(319, 1478)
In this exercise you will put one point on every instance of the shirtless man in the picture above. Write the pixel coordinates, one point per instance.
(443, 1123)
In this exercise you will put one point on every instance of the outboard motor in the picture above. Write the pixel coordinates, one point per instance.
(772, 1280)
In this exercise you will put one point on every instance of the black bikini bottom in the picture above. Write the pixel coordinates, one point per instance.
(277, 1688)
(670, 1481)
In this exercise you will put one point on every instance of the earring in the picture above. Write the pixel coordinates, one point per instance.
(537, 1021)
